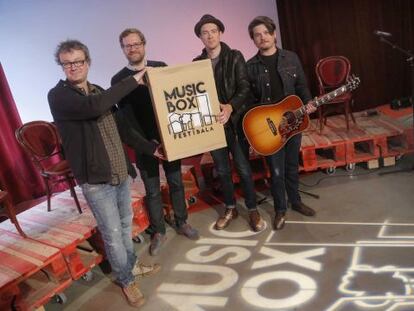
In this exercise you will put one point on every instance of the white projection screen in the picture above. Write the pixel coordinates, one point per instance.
(31, 30)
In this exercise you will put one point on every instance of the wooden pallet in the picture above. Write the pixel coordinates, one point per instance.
(191, 189)
(63, 228)
(371, 139)
(140, 221)
(376, 138)
(30, 272)
(322, 151)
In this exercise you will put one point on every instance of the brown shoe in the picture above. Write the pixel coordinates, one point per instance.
(280, 219)
(133, 295)
(303, 209)
(140, 270)
(223, 221)
(256, 221)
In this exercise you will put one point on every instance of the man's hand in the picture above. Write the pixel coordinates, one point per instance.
(225, 113)
(140, 75)
(310, 107)
(159, 152)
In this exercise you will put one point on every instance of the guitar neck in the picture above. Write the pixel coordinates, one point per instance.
(322, 100)
(328, 97)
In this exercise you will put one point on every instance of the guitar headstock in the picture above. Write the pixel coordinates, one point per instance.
(352, 83)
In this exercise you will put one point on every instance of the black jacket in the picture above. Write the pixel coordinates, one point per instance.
(290, 71)
(231, 79)
(75, 115)
(136, 108)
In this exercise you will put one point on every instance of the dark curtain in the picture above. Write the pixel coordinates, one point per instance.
(318, 28)
(17, 173)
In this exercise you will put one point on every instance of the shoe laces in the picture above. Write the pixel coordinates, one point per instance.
(133, 290)
(229, 213)
(142, 268)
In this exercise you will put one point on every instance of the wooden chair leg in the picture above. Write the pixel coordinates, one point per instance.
(350, 111)
(17, 225)
(12, 215)
(48, 193)
(73, 193)
(347, 115)
(75, 197)
(321, 122)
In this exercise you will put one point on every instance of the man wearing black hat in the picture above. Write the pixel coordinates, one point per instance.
(233, 91)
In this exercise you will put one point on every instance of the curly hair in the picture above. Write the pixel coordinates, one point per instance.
(70, 45)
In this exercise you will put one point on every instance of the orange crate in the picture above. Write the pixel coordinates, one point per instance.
(63, 228)
(30, 272)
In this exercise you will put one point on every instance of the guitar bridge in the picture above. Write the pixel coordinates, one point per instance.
(271, 126)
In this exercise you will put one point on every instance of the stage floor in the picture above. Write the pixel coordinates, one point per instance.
(357, 253)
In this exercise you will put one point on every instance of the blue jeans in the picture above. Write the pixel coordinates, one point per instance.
(222, 164)
(150, 173)
(111, 206)
(284, 172)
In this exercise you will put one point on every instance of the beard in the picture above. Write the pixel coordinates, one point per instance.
(135, 59)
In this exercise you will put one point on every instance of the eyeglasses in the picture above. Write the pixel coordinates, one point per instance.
(75, 64)
(133, 46)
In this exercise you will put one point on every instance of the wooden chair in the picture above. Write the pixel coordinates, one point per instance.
(41, 141)
(333, 72)
(7, 211)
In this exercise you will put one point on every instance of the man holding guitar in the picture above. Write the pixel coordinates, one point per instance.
(274, 74)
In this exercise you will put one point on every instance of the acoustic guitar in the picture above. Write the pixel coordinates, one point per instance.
(269, 127)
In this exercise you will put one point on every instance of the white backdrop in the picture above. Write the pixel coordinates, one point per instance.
(31, 30)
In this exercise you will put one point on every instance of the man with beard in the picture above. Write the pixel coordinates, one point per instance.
(274, 74)
(137, 107)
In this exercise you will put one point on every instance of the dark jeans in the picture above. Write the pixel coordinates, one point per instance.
(284, 171)
(223, 168)
(150, 174)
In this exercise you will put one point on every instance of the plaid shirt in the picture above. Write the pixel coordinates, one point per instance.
(113, 145)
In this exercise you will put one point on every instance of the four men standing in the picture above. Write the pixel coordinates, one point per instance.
(86, 116)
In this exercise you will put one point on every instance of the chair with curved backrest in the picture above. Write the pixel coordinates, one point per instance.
(332, 73)
(7, 211)
(41, 141)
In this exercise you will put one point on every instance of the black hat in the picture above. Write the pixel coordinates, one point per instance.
(205, 19)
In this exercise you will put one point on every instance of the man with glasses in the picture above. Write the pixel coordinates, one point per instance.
(83, 115)
(233, 91)
(137, 107)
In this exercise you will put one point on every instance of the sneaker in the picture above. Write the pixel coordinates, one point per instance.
(156, 242)
(140, 270)
(133, 295)
(256, 222)
(280, 219)
(224, 221)
(188, 231)
(303, 209)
